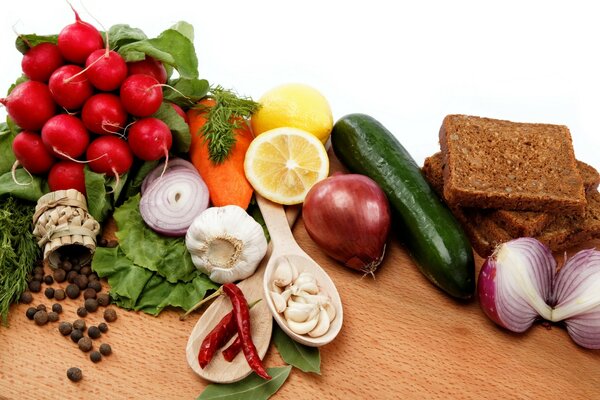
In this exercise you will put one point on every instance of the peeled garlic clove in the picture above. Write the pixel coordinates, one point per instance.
(322, 326)
(576, 298)
(300, 312)
(279, 302)
(284, 273)
(308, 287)
(515, 282)
(318, 299)
(299, 299)
(330, 310)
(302, 328)
(304, 277)
(275, 288)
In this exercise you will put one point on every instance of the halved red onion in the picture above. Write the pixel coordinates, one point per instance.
(172, 201)
(576, 298)
(515, 284)
(174, 163)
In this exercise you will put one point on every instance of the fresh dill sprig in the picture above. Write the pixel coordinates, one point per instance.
(18, 251)
(229, 113)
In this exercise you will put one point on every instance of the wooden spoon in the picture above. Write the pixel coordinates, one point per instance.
(219, 370)
(285, 247)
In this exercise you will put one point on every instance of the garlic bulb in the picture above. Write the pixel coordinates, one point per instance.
(226, 243)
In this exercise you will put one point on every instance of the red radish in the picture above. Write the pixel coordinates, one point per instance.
(31, 152)
(109, 155)
(103, 113)
(105, 69)
(67, 175)
(150, 139)
(141, 95)
(65, 136)
(69, 87)
(148, 66)
(30, 105)
(180, 111)
(77, 40)
(41, 61)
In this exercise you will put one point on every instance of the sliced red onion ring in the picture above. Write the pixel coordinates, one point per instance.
(576, 298)
(174, 163)
(171, 202)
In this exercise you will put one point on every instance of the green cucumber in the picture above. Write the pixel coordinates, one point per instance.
(433, 237)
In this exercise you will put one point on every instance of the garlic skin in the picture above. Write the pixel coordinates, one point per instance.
(226, 243)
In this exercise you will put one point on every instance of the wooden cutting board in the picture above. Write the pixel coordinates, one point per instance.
(402, 338)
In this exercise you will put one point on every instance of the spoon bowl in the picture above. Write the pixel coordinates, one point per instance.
(285, 248)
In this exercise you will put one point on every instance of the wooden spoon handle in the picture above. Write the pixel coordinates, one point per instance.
(276, 221)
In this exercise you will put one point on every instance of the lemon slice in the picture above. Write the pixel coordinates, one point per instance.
(284, 163)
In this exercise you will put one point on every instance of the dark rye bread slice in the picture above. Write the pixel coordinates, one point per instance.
(485, 234)
(589, 175)
(508, 165)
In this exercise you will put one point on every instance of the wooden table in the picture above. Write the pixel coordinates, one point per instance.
(402, 338)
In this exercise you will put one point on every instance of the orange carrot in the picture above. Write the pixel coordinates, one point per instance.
(226, 181)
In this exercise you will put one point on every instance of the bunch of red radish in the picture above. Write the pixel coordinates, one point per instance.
(83, 104)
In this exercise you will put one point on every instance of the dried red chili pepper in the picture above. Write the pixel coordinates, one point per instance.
(232, 350)
(216, 338)
(241, 314)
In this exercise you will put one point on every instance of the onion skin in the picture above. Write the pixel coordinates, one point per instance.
(348, 217)
(486, 290)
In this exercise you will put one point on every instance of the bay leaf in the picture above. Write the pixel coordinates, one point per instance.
(252, 387)
(305, 358)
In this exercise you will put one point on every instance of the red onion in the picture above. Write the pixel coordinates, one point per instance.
(519, 284)
(172, 201)
(160, 170)
(348, 217)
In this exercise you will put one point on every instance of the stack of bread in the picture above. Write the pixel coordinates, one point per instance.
(504, 180)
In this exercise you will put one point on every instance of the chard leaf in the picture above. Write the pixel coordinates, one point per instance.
(180, 130)
(170, 47)
(24, 42)
(185, 28)
(31, 188)
(187, 91)
(166, 256)
(122, 34)
(252, 387)
(7, 157)
(305, 358)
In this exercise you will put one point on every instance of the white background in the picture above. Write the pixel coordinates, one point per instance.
(407, 64)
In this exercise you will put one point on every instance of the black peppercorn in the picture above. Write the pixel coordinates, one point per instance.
(91, 305)
(71, 275)
(49, 293)
(95, 356)
(26, 298)
(79, 324)
(41, 307)
(89, 293)
(35, 286)
(103, 327)
(82, 312)
(59, 275)
(76, 334)
(110, 315)
(103, 299)
(81, 281)
(38, 277)
(41, 317)
(66, 266)
(76, 265)
(48, 280)
(95, 285)
(31, 312)
(85, 344)
(74, 374)
(38, 271)
(65, 328)
(52, 316)
(59, 294)
(57, 308)
(94, 332)
(105, 349)
(86, 270)
(73, 291)
(93, 277)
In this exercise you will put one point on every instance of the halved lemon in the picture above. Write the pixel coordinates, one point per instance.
(284, 163)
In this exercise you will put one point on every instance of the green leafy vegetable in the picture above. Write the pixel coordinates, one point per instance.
(170, 47)
(228, 114)
(185, 28)
(137, 173)
(122, 34)
(101, 201)
(186, 92)
(167, 256)
(305, 358)
(180, 130)
(24, 42)
(18, 251)
(29, 188)
(7, 157)
(253, 387)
